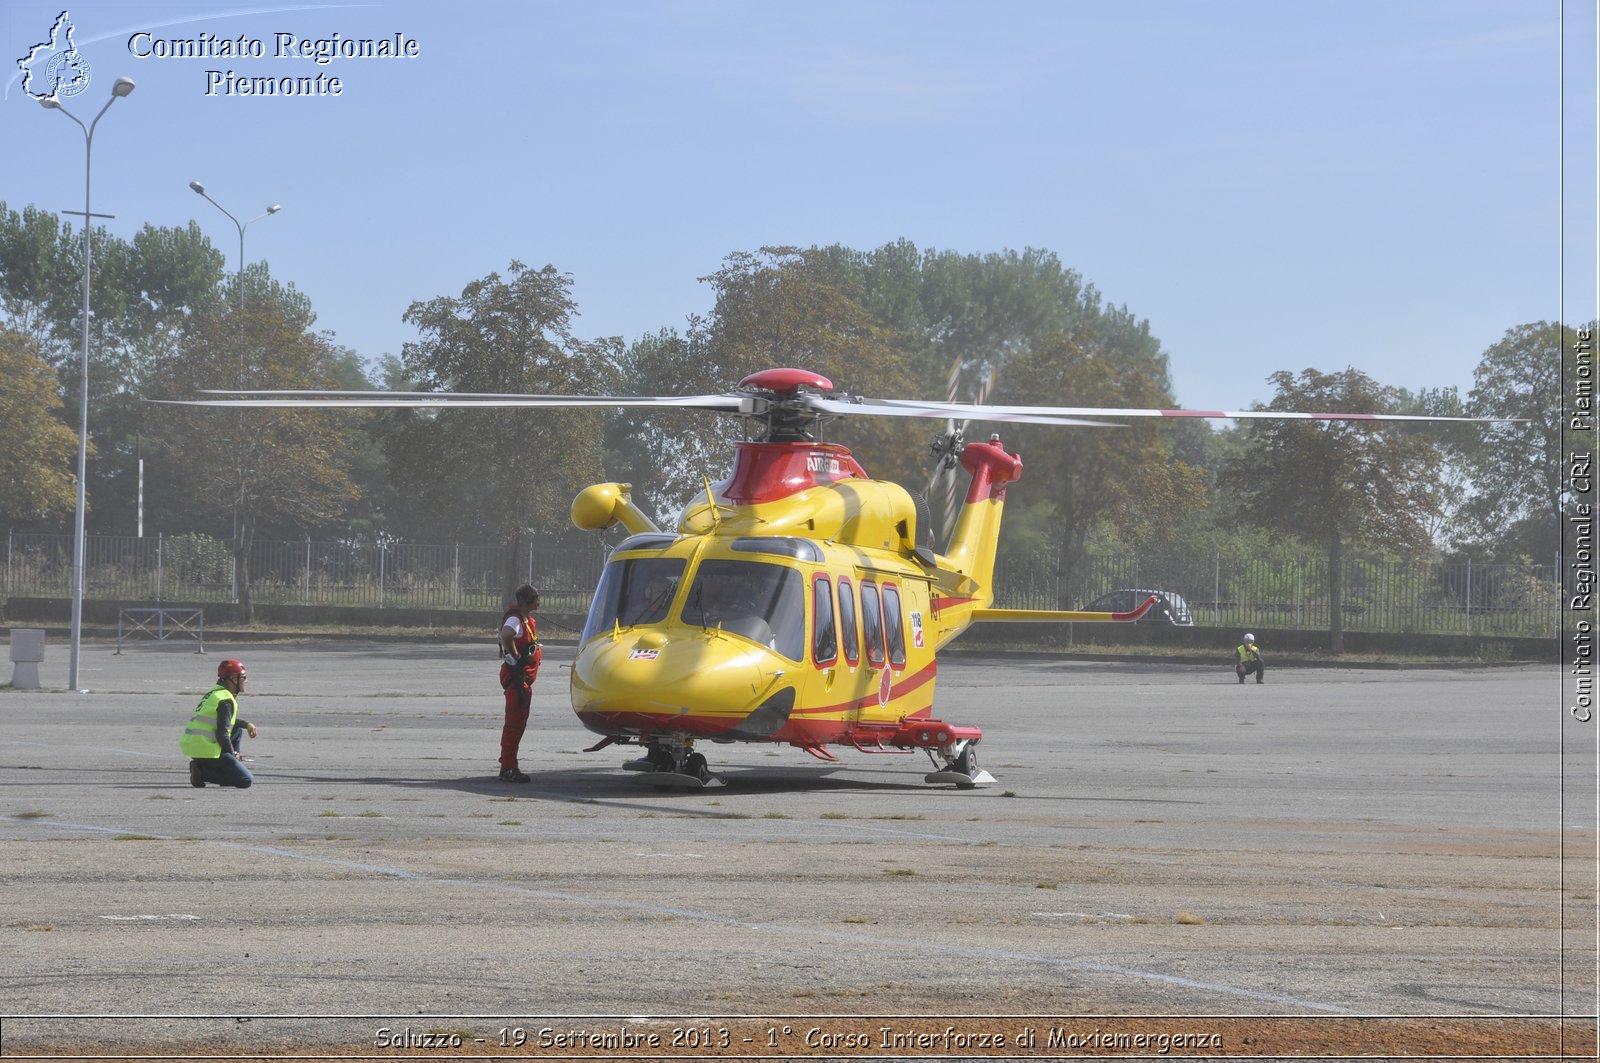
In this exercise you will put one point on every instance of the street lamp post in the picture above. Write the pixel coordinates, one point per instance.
(200, 190)
(120, 88)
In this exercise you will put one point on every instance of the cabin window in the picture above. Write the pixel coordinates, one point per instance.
(645, 541)
(893, 626)
(847, 622)
(872, 624)
(784, 546)
(637, 590)
(825, 636)
(759, 601)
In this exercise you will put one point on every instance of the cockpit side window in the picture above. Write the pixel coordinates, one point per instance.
(760, 601)
(872, 623)
(633, 591)
(825, 636)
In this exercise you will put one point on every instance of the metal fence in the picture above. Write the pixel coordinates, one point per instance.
(1379, 596)
(200, 569)
(1398, 597)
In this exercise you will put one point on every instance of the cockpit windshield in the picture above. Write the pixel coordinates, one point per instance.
(763, 602)
(634, 591)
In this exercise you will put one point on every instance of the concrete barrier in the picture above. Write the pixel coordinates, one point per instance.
(27, 653)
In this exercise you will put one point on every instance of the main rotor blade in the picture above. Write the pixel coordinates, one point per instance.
(328, 400)
(945, 410)
(1001, 413)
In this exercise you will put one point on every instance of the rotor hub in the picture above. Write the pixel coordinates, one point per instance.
(775, 396)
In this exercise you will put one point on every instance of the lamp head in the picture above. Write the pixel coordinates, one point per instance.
(199, 188)
(275, 208)
(121, 87)
(50, 103)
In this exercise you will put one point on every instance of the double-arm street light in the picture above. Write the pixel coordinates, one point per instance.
(120, 88)
(200, 190)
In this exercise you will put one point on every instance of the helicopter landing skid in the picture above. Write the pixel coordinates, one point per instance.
(961, 780)
(677, 780)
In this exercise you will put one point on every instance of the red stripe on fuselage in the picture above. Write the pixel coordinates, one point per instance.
(946, 603)
(906, 685)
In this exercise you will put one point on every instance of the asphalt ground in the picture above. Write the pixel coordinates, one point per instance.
(1160, 841)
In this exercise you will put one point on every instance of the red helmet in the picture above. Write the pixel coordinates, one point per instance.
(230, 668)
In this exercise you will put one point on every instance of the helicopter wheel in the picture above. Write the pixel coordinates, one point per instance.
(967, 762)
(695, 764)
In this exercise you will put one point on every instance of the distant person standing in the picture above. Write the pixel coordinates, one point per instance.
(211, 738)
(1249, 661)
(519, 667)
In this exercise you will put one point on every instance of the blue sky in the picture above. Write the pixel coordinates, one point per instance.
(1274, 185)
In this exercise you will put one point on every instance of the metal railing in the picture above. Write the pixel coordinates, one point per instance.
(199, 569)
(1379, 596)
(1390, 596)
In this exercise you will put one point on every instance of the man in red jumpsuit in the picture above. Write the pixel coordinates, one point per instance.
(519, 667)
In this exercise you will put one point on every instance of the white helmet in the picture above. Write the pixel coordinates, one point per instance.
(1249, 637)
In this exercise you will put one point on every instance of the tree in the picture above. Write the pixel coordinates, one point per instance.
(40, 276)
(37, 449)
(784, 306)
(667, 454)
(156, 285)
(1516, 469)
(499, 473)
(889, 322)
(1336, 483)
(1124, 478)
(1454, 441)
(940, 305)
(260, 465)
(144, 292)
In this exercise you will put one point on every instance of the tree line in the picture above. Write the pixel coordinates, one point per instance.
(891, 321)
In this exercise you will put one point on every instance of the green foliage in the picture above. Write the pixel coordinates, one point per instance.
(887, 321)
(1336, 482)
(40, 276)
(193, 559)
(144, 292)
(1124, 479)
(497, 474)
(1351, 480)
(667, 454)
(37, 449)
(267, 466)
(783, 306)
(1516, 469)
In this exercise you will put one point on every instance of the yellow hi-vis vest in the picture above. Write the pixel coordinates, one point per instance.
(199, 739)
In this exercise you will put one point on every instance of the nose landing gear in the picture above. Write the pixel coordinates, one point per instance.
(960, 766)
(670, 762)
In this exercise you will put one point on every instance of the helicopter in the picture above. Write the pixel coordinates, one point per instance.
(794, 601)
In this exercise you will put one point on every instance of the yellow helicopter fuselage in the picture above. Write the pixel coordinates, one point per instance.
(791, 604)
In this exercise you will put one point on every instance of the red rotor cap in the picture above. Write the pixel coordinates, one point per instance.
(786, 380)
